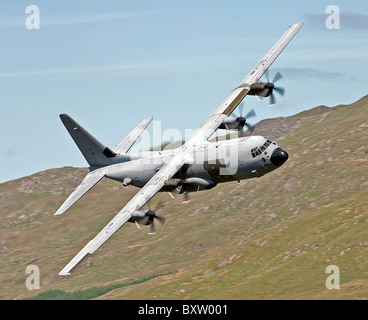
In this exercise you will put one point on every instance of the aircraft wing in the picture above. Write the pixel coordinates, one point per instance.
(138, 201)
(88, 182)
(183, 154)
(239, 93)
(132, 137)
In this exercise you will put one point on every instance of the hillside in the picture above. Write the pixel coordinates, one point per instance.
(267, 238)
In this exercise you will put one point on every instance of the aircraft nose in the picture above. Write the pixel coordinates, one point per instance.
(278, 157)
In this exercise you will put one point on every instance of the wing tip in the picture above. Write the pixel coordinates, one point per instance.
(58, 213)
(63, 274)
(298, 24)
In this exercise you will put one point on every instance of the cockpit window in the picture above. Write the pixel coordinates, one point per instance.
(257, 151)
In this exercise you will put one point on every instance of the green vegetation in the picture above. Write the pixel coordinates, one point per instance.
(84, 294)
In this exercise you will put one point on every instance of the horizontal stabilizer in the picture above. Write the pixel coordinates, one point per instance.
(88, 182)
(128, 141)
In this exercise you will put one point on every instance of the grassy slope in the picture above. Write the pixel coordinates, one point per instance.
(267, 238)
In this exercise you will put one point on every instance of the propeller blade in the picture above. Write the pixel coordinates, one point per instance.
(250, 128)
(137, 224)
(272, 100)
(186, 198)
(280, 90)
(162, 220)
(241, 107)
(175, 191)
(152, 228)
(250, 114)
(277, 77)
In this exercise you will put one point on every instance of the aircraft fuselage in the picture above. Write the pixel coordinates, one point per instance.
(211, 163)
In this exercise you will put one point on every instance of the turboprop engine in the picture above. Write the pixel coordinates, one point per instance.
(146, 217)
(237, 123)
(266, 89)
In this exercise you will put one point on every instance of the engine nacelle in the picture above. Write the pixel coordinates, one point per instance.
(261, 89)
(233, 123)
(205, 183)
(191, 184)
(142, 217)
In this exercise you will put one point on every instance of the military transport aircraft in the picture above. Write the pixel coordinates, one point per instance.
(197, 165)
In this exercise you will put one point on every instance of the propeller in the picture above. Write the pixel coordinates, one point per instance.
(181, 188)
(281, 91)
(243, 119)
(150, 218)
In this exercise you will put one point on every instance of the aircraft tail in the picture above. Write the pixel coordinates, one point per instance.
(96, 153)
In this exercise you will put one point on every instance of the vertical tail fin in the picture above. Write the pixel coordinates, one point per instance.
(96, 153)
